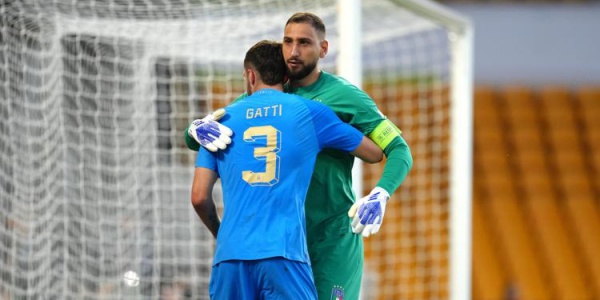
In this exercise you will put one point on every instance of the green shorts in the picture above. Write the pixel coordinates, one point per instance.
(337, 264)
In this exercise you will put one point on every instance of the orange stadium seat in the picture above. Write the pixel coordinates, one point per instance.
(487, 139)
(530, 161)
(592, 136)
(489, 277)
(594, 159)
(584, 215)
(570, 162)
(527, 139)
(588, 99)
(509, 224)
(537, 185)
(552, 234)
(519, 105)
(486, 116)
(564, 140)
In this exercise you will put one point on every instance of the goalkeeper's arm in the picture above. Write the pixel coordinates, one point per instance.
(399, 158)
(367, 213)
(209, 133)
(191, 143)
(398, 163)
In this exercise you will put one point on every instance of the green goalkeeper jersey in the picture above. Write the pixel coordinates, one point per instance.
(330, 194)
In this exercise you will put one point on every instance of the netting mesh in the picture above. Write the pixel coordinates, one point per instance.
(94, 174)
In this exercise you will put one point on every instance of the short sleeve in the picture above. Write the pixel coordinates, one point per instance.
(206, 159)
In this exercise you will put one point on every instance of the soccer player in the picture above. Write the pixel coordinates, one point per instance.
(261, 250)
(336, 253)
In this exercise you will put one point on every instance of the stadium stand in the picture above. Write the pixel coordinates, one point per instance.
(536, 215)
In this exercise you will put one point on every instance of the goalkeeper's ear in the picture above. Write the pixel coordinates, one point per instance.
(190, 142)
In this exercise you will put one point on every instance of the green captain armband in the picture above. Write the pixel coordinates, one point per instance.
(384, 133)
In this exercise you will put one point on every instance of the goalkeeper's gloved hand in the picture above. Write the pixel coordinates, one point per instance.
(209, 133)
(367, 212)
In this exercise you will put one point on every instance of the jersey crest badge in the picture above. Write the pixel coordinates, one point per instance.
(337, 293)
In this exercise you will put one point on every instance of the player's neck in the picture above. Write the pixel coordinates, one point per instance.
(262, 86)
(308, 80)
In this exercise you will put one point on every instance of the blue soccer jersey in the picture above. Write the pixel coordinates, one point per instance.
(266, 170)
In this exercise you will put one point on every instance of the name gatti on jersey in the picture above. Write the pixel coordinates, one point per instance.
(261, 112)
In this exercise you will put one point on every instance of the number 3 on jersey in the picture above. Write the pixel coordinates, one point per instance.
(268, 153)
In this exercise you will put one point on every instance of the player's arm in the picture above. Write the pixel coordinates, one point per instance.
(205, 176)
(367, 213)
(399, 157)
(363, 114)
(332, 133)
(202, 200)
(368, 151)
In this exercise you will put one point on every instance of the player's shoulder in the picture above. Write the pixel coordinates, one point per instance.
(240, 97)
(235, 105)
(305, 102)
(317, 110)
(235, 108)
(337, 81)
(340, 85)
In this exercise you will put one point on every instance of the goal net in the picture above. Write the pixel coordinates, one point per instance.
(95, 177)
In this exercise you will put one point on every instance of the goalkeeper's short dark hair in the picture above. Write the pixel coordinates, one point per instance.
(266, 58)
(309, 18)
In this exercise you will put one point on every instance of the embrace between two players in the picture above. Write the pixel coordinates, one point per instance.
(286, 174)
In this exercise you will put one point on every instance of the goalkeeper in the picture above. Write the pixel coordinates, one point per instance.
(336, 253)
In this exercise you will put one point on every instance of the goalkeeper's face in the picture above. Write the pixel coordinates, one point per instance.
(302, 49)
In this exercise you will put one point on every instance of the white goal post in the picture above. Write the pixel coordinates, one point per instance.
(95, 177)
(460, 35)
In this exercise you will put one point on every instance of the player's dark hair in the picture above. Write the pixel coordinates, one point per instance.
(266, 58)
(310, 18)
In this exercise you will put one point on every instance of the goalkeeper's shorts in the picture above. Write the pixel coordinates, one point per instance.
(271, 278)
(337, 264)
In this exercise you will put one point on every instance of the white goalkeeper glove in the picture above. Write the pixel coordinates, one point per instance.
(209, 133)
(367, 212)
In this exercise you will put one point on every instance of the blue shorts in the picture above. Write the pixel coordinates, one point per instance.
(271, 278)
